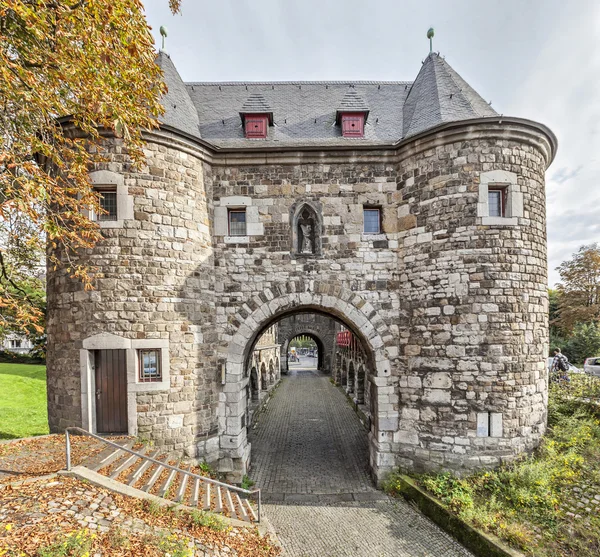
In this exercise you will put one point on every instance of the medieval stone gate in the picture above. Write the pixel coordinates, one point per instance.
(422, 230)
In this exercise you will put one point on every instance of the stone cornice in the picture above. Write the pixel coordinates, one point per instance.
(537, 135)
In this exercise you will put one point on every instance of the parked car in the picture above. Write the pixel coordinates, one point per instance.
(572, 368)
(592, 366)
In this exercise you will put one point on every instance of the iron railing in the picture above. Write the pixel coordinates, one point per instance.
(247, 492)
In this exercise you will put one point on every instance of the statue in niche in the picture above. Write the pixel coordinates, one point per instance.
(306, 227)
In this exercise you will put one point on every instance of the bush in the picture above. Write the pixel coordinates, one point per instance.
(526, 502)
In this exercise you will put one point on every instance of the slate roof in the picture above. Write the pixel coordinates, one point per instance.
(305, 112)
(180, 112)
(255, 104)
(440, 95)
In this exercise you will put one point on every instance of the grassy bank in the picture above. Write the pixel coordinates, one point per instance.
(546, 505)
(23, 410)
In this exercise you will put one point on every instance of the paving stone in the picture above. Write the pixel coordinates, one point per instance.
(310, 455)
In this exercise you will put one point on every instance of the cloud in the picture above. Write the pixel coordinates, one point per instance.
(565, 174)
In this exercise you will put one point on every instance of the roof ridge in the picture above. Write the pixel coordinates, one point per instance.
(335, 82)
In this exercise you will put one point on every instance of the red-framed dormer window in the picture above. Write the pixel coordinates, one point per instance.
(256, 125)
(353, 124)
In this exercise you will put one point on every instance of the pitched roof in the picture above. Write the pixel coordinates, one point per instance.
(440, 95)
(352, 101)
(180, 112)
(304, 113)
(255, 104)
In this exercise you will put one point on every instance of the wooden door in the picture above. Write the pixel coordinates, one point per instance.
(111, 391)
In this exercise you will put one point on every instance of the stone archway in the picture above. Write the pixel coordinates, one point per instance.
(359, 316)
(318, 341)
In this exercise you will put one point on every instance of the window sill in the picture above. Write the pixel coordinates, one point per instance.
(109, 223)
(366, 237)
(149, 387)
(499, 221)
(237, 239)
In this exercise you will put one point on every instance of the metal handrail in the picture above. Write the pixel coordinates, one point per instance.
(159, 462)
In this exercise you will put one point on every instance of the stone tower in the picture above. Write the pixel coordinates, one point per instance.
(410, 212)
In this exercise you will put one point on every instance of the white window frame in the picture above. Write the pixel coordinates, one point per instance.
(514, 198)
(107, 178)
(221, 221)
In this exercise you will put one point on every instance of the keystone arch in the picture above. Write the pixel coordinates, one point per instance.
(356, 314)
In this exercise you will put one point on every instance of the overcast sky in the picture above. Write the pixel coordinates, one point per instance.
(537, 59)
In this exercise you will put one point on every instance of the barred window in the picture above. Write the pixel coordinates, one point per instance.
(108, 202)
(237, 222)
(149, 365)
(372, 220)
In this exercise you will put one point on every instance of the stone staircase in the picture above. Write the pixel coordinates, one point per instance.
(158, 474)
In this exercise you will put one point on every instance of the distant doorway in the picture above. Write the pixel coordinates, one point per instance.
(304, 353)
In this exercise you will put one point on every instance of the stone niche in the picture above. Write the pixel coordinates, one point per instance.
(307, 228)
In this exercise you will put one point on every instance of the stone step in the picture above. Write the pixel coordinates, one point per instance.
(108, 459)
(182, 486)
(240, 505)
(163, 491)
(230, 504)
(206, 506)
(127, 463)
(195, 493)
(153, 478)
(141, 468)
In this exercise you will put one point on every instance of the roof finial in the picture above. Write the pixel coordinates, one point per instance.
(430, 33)
(163, 32)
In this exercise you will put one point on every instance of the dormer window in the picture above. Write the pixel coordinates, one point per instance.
(256, 125)
(353, 124)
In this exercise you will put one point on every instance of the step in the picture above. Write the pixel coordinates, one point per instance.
(230, 504)
(167, 483)
(142, 467)
(195, 493)
(152, 479)
(250, 510)
(182, 486)
(206, 506)
(110, 458)
(128, 463)
(219, 507)
(241, 507)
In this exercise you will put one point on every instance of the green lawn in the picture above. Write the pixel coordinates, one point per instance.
(23, 410)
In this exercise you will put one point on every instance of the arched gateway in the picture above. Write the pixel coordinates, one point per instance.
(348, 308)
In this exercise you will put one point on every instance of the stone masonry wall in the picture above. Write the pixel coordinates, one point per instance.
(315, 324)
(476, 300)
(451, 312)
(154, 281)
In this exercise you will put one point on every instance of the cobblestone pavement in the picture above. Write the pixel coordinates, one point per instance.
(309, 457)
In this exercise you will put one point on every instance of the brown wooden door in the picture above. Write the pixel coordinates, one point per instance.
(111, 391)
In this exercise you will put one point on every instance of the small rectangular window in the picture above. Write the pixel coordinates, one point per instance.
(108, 202)
(237, 222)
(149, 366)
(497, 202)
(372, 220)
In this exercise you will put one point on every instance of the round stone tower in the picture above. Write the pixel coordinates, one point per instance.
(134, 355)
(473, 383)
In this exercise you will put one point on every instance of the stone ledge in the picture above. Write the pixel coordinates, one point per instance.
(480, 543)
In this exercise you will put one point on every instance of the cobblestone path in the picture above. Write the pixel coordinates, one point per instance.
(310, 458)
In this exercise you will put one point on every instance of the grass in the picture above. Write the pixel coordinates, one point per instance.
(532, 503)
(23, 410)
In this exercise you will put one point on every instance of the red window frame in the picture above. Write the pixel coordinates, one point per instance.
(256, 126)
(353, 124)
(503, 198)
